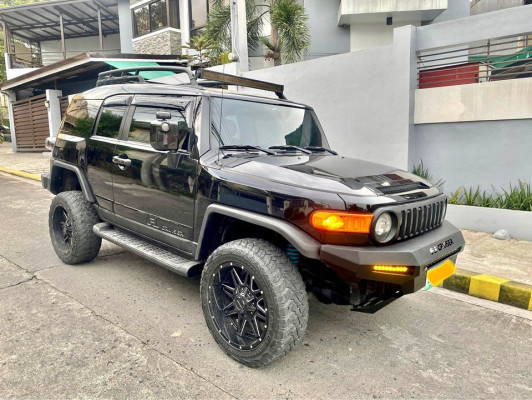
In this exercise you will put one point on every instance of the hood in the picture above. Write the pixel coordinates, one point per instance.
(328, 173)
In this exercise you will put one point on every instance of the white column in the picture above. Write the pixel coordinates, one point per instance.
(184, 24)
(11, 97)
(239, 34)
(125, 26)
(54, 111)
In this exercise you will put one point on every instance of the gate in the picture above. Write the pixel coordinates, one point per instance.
(31, 123)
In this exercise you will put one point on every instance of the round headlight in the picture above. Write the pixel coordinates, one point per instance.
(383, 227)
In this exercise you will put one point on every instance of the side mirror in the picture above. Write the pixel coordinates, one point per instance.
(166, 134)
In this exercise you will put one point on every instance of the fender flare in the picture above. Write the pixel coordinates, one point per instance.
(82, 178)
(302, 241)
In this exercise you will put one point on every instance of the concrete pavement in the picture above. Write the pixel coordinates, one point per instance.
(502, 270)
(122, 327)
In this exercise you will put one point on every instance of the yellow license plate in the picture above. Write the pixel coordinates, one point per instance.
(437, 274)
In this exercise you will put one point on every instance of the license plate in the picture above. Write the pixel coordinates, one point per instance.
(441, 272)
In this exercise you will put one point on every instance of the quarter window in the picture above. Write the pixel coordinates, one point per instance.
(110, 121)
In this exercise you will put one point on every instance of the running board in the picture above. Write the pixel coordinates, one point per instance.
(156, 254)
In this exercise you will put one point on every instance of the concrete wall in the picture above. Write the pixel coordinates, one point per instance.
(363, 99)
(366, 36)
(483, 6)
(455, 9)
(488, 101)
(327, 38)
(481, 153)
(51, 49)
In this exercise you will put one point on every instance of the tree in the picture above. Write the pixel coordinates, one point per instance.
(289, 38)
(205, 52)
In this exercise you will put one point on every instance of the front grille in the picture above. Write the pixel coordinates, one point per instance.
(421, 218)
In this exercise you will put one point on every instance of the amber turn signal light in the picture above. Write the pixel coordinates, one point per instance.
(393, 269)
(344, 222)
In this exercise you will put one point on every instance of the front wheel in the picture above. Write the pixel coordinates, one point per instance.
(70, 221)
(254, 301)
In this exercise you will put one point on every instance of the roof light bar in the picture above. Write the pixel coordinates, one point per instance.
(227, 79)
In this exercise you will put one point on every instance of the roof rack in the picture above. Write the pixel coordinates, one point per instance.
(208, 78)
(132, 74)
(216, 79)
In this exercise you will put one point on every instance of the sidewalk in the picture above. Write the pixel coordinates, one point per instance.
(488, 268)
(28, 163)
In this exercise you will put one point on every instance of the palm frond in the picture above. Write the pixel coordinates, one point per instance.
(289, 17)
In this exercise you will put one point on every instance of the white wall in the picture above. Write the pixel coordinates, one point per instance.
(51, 50)
(487, 101)
(368, 35)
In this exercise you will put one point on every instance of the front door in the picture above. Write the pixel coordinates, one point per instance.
(151, 193)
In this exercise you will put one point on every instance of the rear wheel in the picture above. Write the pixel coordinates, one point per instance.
(70, 222)
(254, 301)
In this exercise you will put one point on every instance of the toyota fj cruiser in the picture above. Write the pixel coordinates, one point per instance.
(245, 191)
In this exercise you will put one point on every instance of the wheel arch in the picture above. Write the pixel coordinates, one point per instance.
(217, 213)
(65, 176)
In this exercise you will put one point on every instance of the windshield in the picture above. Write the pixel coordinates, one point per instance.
(239, 122)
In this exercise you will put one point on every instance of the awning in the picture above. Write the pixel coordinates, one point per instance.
(148, 75)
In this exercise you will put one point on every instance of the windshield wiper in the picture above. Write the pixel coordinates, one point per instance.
(318, 148)
(290, 147)
(245, 147)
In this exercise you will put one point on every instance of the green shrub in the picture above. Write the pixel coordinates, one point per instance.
(423, 172)
(517, 197)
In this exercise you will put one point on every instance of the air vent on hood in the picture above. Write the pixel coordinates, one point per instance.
(392, 189)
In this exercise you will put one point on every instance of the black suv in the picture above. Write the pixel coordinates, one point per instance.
(245, 191)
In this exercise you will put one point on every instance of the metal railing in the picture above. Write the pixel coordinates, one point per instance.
(44, 58)
(490, 60)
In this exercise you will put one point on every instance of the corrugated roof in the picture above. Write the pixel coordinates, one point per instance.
(40, 21)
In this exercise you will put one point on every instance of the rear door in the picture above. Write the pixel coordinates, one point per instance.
(152, 195)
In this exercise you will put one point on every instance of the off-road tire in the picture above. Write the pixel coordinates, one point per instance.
(80, 217)
(283, 292)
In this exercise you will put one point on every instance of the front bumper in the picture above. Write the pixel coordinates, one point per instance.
(354, 264)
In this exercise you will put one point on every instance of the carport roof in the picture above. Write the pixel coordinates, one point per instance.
(40, 21)
(79, 64)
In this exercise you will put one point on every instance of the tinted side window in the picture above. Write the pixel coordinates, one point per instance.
(110, 121)
(142, 118)
(80, 116)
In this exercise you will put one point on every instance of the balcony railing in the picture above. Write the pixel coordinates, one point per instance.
(491, 60)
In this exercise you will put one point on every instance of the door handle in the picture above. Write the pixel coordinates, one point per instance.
(126, 162)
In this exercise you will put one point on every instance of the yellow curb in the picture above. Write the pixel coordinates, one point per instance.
(486, 286)
(22, 174)
(491, 287)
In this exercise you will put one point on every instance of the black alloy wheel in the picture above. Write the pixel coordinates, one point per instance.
(238, 307)
(70, 221)
(254, 301)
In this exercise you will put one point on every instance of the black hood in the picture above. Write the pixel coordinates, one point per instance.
(326, 173)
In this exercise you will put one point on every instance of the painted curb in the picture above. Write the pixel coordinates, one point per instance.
(22, 174)
(490, 287)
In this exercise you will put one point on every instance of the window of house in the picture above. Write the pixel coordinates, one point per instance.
(198, 15)
(155, 15)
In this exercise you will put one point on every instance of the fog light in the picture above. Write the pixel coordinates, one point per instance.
(393, 269)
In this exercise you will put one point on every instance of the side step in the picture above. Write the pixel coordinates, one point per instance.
(136, 245)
